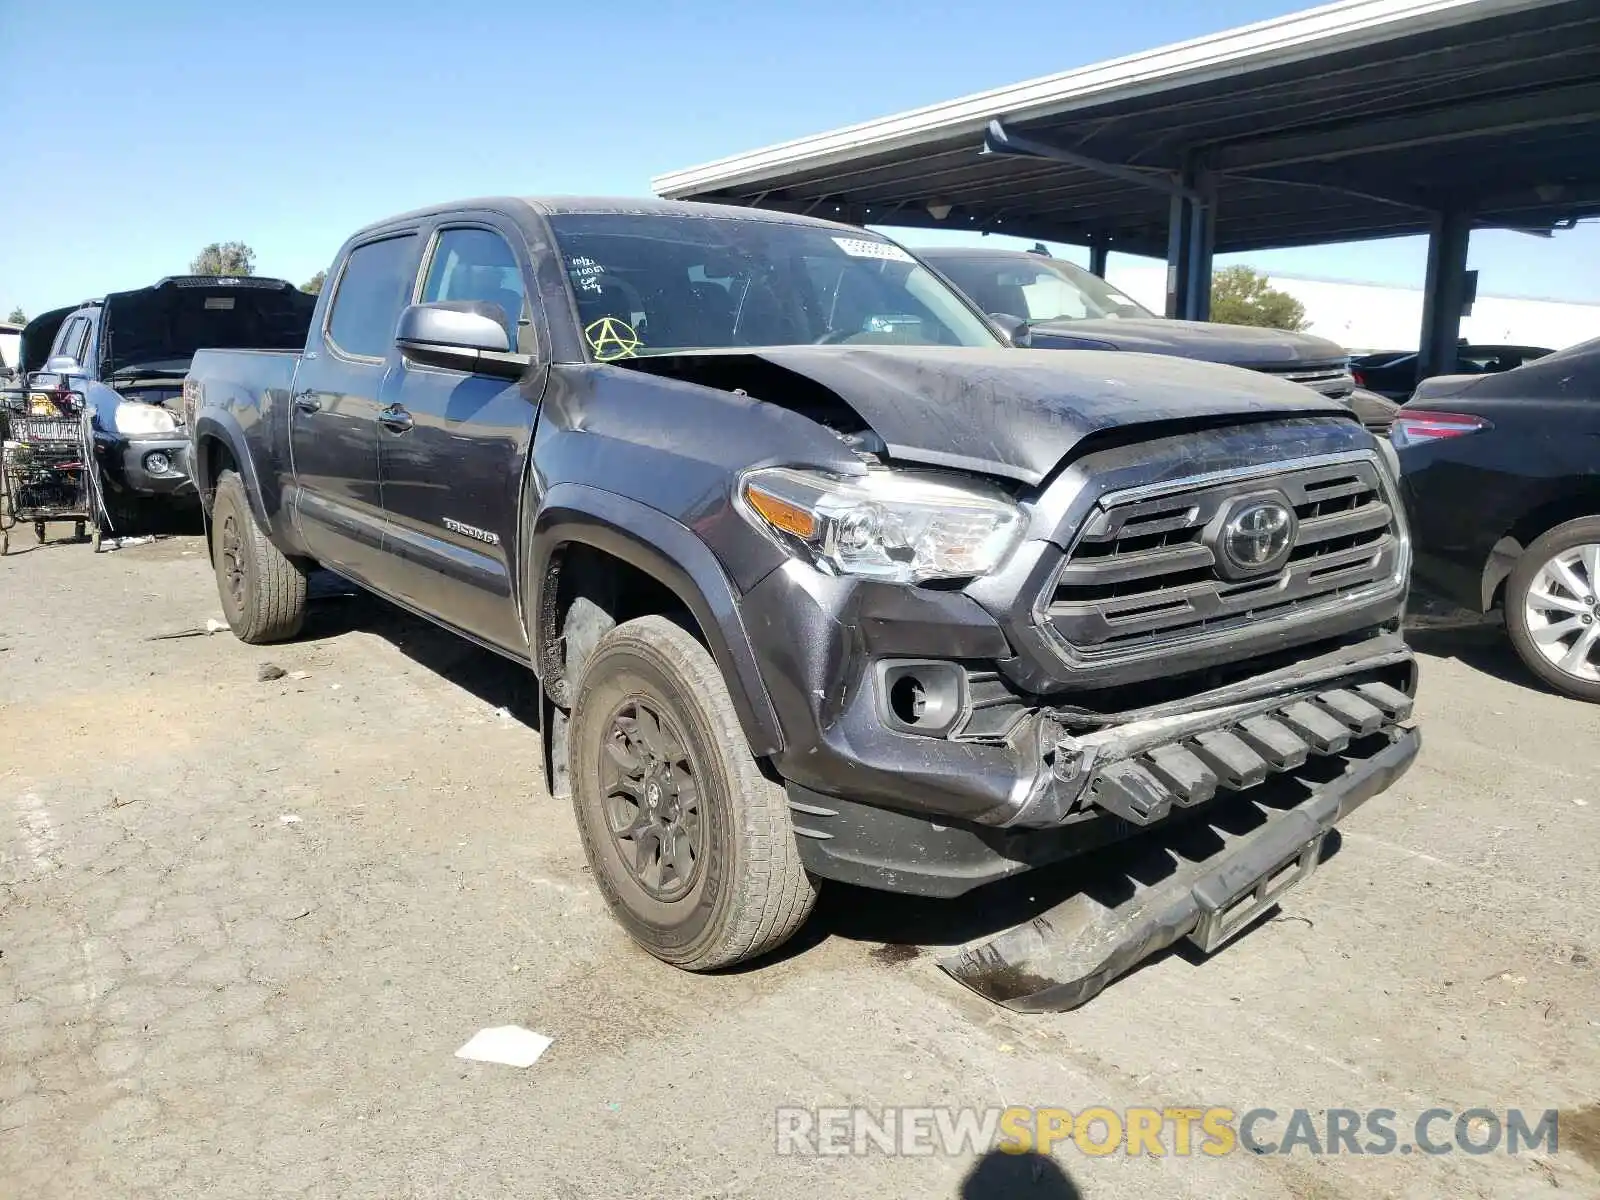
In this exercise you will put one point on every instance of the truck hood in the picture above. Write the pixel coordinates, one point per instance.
(1013, 413)
(1236, 345)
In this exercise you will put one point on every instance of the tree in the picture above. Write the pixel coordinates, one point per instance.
(224, 258)
(314, 284)
(1243, 296)
(18, 317)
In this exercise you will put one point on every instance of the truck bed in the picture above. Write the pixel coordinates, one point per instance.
(241, 378)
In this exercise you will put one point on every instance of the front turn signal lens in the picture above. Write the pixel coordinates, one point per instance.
(780, 513)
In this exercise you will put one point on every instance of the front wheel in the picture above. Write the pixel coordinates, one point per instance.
(689, 842)
(1553, 608)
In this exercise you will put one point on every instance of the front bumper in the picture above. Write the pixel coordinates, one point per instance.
(130, 465)
(941, 815)
(1116, 783)
(817, 641)
(1193, 877)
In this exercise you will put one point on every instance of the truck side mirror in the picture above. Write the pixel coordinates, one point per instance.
(63, 364)
(457, 332)
(1013, 329)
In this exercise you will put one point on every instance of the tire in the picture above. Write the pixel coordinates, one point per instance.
(123, 515)
(745, 892)
(1555, 568)
(263, 593)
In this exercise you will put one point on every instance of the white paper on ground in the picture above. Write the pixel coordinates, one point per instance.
(510, 1045)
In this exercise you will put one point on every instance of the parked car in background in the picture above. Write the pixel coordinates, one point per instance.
(821, 578)
(1064, 307)
(1502, 476)
(10, 349)
(128, 354)
(1393, 373)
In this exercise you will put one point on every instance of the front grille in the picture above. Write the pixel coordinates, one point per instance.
(1144, 573)
(1331, 378)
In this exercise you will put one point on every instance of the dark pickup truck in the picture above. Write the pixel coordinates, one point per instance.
(824, 581)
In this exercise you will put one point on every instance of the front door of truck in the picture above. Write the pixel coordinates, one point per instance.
(452, 448)
(334, 412)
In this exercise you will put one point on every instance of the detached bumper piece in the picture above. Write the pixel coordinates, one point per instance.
(1208, 877)
(1141, 778)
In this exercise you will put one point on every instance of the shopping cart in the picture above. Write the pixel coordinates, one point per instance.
(47, 463)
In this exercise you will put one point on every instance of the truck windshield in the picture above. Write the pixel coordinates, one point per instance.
(1043, 289)
(647, 284)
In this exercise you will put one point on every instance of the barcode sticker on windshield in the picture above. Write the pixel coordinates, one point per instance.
(222, 302)
(867, 248)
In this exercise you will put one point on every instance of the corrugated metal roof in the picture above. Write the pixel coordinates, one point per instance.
(1354, 119)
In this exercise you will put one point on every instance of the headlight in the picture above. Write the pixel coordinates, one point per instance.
(898, 526)
(133, 418)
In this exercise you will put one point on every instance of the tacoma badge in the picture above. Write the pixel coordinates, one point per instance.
(471, 531)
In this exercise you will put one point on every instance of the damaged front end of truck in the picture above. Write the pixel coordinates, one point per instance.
(1192, 652)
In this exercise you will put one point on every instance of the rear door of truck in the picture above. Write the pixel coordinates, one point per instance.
(453, 443)
(336, 405)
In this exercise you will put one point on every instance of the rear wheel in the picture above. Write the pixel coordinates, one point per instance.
(689, 842)
(1553, 608)
(263, 593)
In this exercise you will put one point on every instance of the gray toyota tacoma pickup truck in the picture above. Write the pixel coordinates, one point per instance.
(822, 581)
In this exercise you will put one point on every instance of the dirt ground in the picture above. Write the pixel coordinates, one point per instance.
(245, 925)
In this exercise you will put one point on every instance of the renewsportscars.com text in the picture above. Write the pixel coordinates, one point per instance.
(1158, 1132)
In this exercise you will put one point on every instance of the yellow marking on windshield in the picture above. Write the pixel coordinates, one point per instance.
(611, 339)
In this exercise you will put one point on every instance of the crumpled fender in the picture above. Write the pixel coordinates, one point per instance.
(669, 552)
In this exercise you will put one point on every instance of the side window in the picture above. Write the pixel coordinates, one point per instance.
(375, 286)
(71, 334)
(81, 350)
(476, 264)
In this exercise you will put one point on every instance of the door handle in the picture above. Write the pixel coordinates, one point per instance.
(396, 419)
(307, 402)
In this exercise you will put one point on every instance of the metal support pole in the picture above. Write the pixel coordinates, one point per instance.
(1099, 251)
(1201, 248)
(1191, 234)
(1444, 293)
(1178, 234)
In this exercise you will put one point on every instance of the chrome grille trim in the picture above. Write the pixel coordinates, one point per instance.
(1141, 579)
(1332, 378)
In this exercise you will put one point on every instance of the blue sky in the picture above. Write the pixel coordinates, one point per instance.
(139, 132)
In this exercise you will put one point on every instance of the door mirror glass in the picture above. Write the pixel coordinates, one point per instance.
(63, 364)
(461, 329)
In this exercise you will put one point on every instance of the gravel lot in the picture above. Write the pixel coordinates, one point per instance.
(245, 925)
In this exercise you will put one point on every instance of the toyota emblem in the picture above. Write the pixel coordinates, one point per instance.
(1257, 537)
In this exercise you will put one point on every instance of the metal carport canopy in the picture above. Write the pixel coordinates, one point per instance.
(1368, 118)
